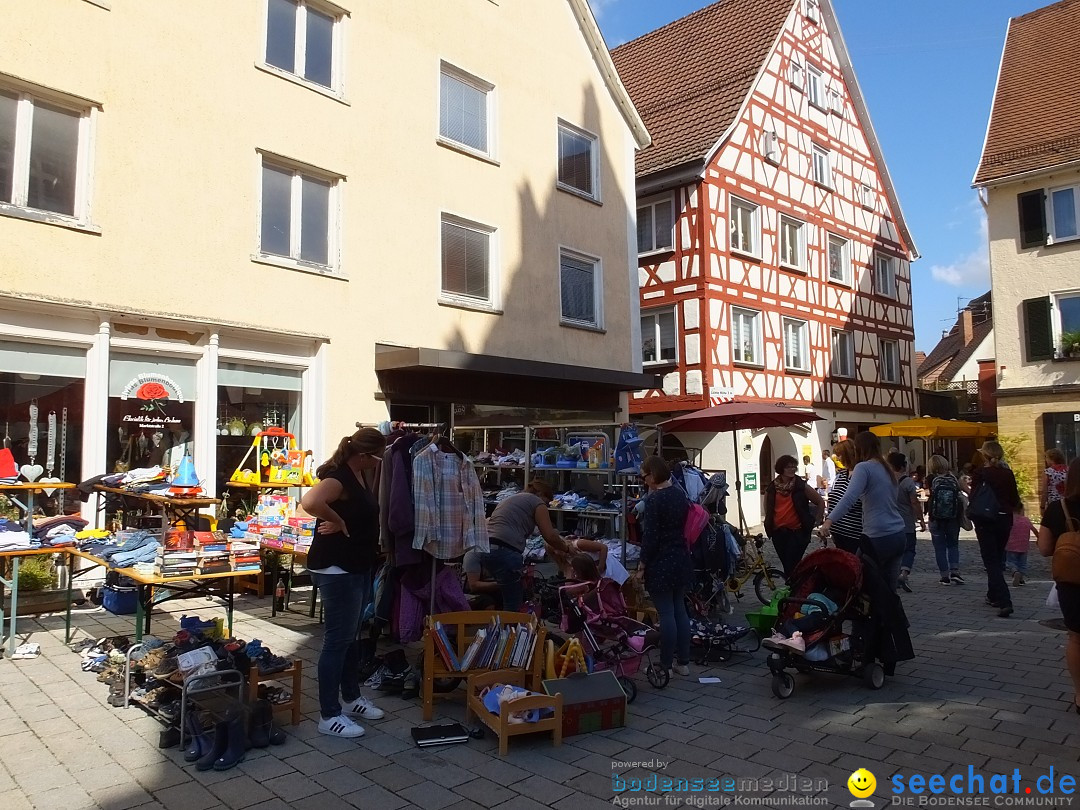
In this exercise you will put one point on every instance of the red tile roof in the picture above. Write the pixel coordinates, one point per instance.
(1035, 118)
(689, 78)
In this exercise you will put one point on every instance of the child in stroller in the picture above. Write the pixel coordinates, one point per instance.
(826, 594)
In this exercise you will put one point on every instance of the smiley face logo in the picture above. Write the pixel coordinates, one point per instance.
(861, 783)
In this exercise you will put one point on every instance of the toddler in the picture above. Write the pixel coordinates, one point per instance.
(1016, 549)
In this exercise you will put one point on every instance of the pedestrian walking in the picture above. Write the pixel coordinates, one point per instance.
(792, 509)
(945, 508)
(995, 484)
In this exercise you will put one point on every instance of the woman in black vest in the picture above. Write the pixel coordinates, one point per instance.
(343, 556)
(792, 508)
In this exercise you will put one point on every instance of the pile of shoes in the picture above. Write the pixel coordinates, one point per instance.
(266, 661)
(221, 744)
(393, 675)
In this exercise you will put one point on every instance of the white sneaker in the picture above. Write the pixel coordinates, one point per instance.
(340, 726)
(681, 669)
(364, 709)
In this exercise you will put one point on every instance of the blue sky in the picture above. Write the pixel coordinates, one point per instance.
(927, 69)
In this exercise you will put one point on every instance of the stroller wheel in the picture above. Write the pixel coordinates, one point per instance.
(874, 675)
(783, 685)
(629, 687)
(658, 676)
(762, 587)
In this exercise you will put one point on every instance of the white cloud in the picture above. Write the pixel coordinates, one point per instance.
(600, 6)
(972, 270)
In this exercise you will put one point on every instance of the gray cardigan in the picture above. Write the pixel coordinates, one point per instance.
(875, 487)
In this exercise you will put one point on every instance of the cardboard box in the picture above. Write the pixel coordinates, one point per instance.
(591, 701)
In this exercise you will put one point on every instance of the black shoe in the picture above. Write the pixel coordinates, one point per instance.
(221, 742)
(1006, 611)
(410, 688)
(262, 718)
(169, 738)
(201, 743)
(236, 732)
(957, 579)
(992, 604)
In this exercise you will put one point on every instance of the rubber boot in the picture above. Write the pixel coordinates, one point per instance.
(277, 735)
(199, 743)
(220, 742)
(236, 746)
(262, 718)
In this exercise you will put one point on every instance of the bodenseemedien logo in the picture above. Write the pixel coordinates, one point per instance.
(861, 784)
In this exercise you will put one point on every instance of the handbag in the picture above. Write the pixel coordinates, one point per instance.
(697, 518)
(965, 521)
(983, 505)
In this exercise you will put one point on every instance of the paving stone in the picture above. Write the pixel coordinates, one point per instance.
(429, 796)
(394, 777)
(342, 781)
(322, 801)
(312, 762)
(15, 800)
(521, 803)
(62, 798)
(190, 795)
(292, 786)
(375, 797)
(240, 790)
(119, 797)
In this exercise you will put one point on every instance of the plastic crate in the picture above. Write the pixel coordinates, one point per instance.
(763, 620)
(119, 600)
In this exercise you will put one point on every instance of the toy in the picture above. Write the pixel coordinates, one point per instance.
(278, 460)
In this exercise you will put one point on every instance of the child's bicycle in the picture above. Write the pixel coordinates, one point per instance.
(709, 596)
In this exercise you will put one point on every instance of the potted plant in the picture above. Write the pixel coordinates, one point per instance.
(37, 588)
(1070, 343)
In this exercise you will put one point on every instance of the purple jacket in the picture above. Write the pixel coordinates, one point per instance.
(415, 599)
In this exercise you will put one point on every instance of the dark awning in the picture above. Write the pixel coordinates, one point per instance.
(451, 376)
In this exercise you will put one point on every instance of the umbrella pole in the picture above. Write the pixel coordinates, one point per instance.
(738, 482)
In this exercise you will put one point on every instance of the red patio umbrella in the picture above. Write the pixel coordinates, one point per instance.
(734, 416)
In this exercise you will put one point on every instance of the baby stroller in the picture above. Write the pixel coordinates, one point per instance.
(828, 648)
(713, 641)
(596, 614)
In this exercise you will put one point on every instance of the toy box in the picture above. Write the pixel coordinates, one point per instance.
(591, 701)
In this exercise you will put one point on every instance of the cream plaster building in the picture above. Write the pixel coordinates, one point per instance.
(1029, 179)
(305, 213)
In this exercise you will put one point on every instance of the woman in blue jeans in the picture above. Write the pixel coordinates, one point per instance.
(945, 532)
(343, 555)
(665, 562)
(873, 484)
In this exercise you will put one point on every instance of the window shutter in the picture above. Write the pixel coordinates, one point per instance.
(1032, 205)
(1037, 331)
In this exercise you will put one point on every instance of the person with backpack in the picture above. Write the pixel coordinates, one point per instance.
(1059, 538)
(945, 510)
(994, 497)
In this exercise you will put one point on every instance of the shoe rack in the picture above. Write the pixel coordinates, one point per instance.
(293, 672)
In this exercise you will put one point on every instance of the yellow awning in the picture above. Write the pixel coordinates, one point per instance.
(929, 427)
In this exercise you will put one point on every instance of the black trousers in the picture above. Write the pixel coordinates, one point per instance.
(790, 545)
(993, 535)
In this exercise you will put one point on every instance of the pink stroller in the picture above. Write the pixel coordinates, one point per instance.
(596, 613)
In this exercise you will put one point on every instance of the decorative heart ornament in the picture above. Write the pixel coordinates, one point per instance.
(50, 490)
(31, 472)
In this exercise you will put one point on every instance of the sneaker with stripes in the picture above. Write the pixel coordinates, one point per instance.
(340, 726)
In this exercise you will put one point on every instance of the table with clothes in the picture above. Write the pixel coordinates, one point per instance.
(174, 509)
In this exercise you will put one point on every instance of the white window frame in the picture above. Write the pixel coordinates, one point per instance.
(755, 226)
(738, 356)
(1056, 326)
(803, 336)
(836, 101)
(652, 204)
(481, 86)
(333, 226)
(1052, 236)
(845, 277)
(655, 313)
(867, 198)
(797, 72)
(770, 147)
(336, 89)
(26, 98)
(821, 166)
(885, 285)
(800, 246)
(815, 86)
(493, 302)
(598, 289)
(812, 11)
(594, 161)
(885, 347)
(846, 366)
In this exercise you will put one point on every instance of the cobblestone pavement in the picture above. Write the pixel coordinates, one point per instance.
(983, 692)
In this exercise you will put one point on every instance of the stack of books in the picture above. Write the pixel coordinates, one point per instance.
(177, 556)
(497, 646)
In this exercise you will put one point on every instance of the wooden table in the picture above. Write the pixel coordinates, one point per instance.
(174, 509)
(30, 489)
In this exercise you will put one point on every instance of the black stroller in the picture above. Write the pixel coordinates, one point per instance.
(855, 639)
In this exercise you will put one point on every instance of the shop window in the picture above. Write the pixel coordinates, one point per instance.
(658, 336)
(579, 290)
(578, 161)
(43, 158)
(251, 399)
(465, 110)
(298, 216)
(1062, 430)
(302, 38)
(151, 413)
(41, 412)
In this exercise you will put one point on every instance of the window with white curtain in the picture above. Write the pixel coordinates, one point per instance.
(745, 227)
(579, 289)
(822, 166)
(792, 245)
(465, 109)
(656, 225)
(659, 339)
(746, 336)
(796, 345)
(843, 354)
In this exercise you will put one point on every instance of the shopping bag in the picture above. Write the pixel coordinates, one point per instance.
(697, 518)
(1052, 597)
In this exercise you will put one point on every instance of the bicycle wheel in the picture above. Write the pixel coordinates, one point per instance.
(761, 584)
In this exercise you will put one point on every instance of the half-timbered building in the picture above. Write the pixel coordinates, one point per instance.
(774, 261)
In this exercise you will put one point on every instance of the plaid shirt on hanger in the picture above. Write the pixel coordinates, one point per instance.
(450, 516)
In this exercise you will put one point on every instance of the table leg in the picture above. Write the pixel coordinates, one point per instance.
(273, 586)
(67, 619)
(229, 602)
(2, 581)
(14, 605)
(139, 596)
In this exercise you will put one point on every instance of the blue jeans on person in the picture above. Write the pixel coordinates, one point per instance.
(343, 597)
(674, 626)
(888, 549)
(908, 558)
(993, 535)
(505, 566)
(1016, 561)
(945, 535)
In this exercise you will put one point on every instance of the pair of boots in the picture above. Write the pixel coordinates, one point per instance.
(232, 736)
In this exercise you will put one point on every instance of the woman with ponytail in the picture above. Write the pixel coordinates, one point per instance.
(343, 555)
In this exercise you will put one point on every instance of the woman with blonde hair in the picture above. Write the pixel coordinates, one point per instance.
(992, 531)
(846, 532)
(344, 553)
(945, 490)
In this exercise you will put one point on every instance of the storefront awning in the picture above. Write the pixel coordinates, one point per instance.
(450, 376)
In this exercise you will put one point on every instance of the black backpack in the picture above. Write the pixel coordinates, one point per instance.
(983, 505)
(945, 503)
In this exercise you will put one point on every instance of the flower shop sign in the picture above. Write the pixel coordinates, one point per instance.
(153, 392)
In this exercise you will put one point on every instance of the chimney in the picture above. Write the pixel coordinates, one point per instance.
(966, 330)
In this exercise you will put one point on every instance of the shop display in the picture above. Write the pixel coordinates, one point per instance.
(276, 459)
